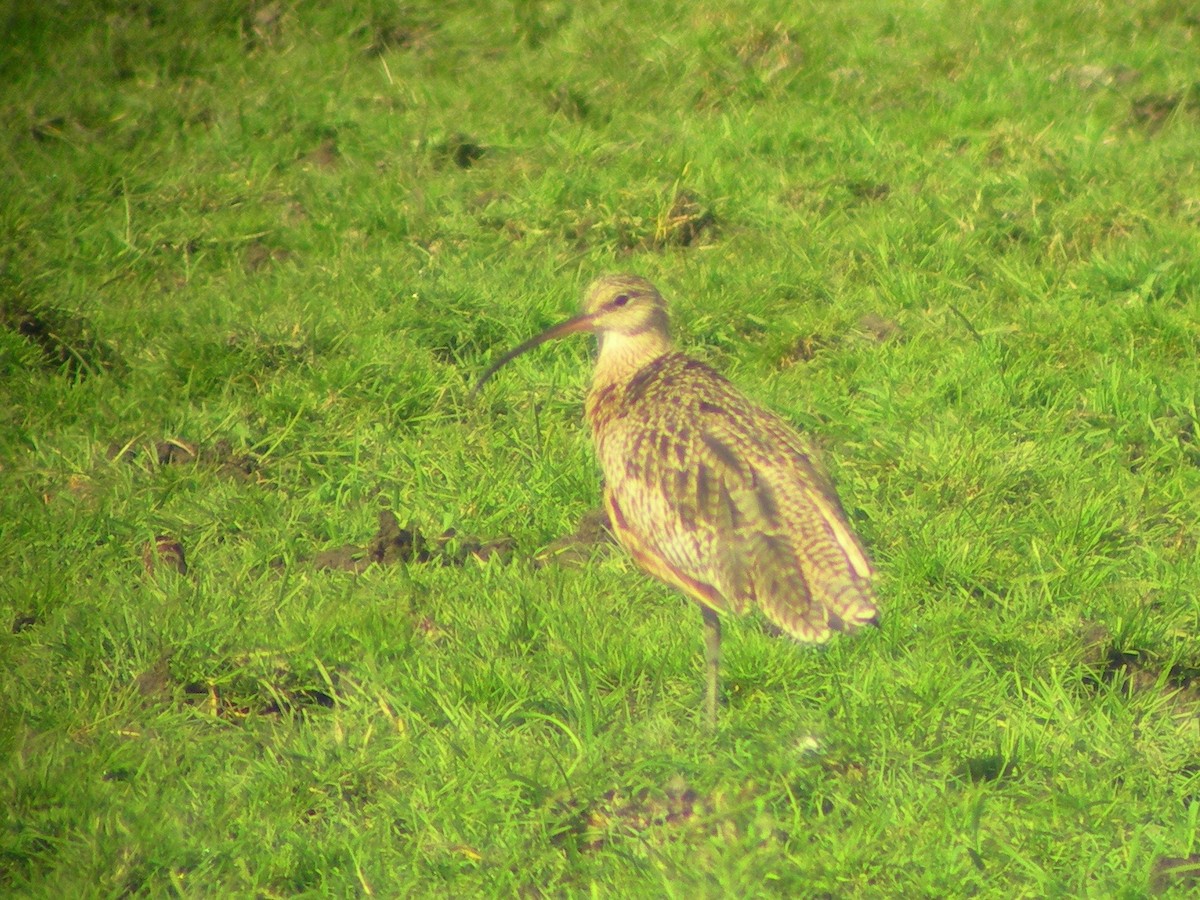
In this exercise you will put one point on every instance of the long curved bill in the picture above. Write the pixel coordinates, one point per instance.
(571, 326)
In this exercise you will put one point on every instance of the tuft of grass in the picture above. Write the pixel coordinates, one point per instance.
(282, 613)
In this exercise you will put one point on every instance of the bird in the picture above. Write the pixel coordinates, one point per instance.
(706, 489)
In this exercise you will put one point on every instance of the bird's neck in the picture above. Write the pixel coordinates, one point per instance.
(622, 355)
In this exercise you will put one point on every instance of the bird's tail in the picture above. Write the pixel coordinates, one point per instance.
(808, 600)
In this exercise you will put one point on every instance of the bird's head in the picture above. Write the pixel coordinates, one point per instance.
(624, 310)
(625, 305)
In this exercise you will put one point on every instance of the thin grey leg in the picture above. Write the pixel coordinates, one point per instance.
(712, 646)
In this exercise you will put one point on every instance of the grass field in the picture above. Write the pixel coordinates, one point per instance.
(255, 254)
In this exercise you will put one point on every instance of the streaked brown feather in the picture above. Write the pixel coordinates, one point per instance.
(736, 502)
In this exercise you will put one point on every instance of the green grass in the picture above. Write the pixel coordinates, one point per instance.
(957, 243)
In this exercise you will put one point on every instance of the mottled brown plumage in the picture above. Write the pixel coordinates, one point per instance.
(707, 490)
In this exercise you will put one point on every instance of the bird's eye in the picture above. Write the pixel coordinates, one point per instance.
(620, 300)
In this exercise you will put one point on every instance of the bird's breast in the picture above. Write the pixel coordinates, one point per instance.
(606, 418)
(640, 411)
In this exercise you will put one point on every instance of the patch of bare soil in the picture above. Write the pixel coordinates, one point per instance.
(576, 549)
(393, 544)
(241, 687)
(68, 343)
(1152, 111)
(1107, 663)
(661, 814)
(807, 347)
(258, 256)
(460, 150)
(669, 809)
(1171, 872)
(219, 455)
(164, 554)
(685, 223)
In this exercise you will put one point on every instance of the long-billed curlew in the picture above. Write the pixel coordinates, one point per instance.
(707, 490)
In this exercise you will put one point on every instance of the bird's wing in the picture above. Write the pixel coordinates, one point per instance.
(728, 497)
(803, 517)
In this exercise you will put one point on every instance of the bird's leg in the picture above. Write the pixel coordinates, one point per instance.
(712, 646)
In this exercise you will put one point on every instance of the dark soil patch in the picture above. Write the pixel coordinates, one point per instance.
(285, 695)
(867, 190)
(838, 193)
(769, 52)
(68, 343)
(258, 256)
(262, 26)
(987, 768)
(50, 128)
(805, 349)
(178, 452)
(660, 814)
(164, 554)
(569, 102)
(324, 156)
(879, 328)
(155, 682)
(236, 691)
(687, 220)
(1091, 77)
(393, 544)
(679, 219)
(460, 150)
(576, 548)
(269, 355)
(1106, 663)
(1170, 872)
(1153, 110)
(616, 813)
(388, 32)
